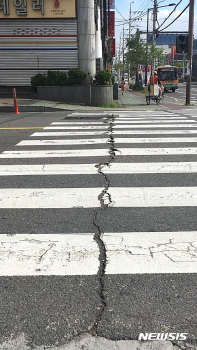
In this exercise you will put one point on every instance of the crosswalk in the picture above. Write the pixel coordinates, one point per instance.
(119, 188)
(114, 196)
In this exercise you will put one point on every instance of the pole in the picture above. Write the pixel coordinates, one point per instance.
(154, 29)
(130, 22)
(190, 50)
(147, 47)
(123, 50)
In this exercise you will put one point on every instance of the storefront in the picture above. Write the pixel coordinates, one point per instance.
(36, 36)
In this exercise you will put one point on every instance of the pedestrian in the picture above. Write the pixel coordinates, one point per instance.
(123, 85)
(155, 80)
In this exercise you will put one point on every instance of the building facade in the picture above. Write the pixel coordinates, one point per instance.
(41, 35)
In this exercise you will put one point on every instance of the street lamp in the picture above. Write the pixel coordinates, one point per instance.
(147, 34)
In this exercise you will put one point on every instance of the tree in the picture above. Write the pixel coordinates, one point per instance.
(136, 53)
(139, 53)
(155, 55)
(118, 67)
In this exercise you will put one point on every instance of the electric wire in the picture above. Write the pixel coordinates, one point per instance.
(175, 18)
(169, 14)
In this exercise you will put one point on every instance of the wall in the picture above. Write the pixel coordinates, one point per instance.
(87, 95)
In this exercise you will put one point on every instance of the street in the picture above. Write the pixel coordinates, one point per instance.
(98, 216)
(180, 94)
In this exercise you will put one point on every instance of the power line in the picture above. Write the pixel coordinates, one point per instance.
(175, 18)
(169, 14)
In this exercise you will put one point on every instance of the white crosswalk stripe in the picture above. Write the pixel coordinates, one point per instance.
(84, 250)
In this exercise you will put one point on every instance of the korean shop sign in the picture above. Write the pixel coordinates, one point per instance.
(37, 8)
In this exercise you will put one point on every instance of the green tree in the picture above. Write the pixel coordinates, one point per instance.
(136, 53)
(118, 67)
(139, 53)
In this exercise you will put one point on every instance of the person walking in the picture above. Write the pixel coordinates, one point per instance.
(123, 85)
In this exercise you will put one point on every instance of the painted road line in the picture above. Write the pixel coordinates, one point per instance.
(99, 152)
(117, 124)
(56, 153)
(104, 127)
(105, 141)
(122, 117)
(113, 168)
(24, 128)
(48, 169)
(143, 132)
(63, 142)
(151, 252)
(80, 123)
(157, 126)
(119, 197)
(71, 133)
(115, 132)
(48, 254)
(150, 168)
(77, 254)
(50, 197)
(118, 121)
(155, 151)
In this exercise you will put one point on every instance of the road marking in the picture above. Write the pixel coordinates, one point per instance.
(161, 126)
(70, 133)
(98, 152)
(23, 128)
(105, 141)
(151, 252)
(48, 254)
(50, 197)
(113, 168)
(115, 132)
(77, 254)
(153, 121)
(56, 153)
(79, 123)
(155, 151)
(151, 118)
(63, 142)
(127, 197)
(104, 126)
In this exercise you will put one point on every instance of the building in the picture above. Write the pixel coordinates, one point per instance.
(41, 35)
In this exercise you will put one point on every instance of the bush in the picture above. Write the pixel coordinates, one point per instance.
(38, 80)
(76, 77)
(57, 78)
(103, 78)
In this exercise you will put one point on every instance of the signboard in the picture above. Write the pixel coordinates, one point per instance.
(112, 4)
(37, 8)
(111, 46)
(111, 24)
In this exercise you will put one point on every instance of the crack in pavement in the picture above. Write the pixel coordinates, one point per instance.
(98, 233)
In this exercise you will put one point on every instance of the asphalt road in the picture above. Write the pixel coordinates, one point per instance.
(78, 255)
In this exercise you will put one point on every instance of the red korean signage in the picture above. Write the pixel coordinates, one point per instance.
(111, 24)
(111, 46)
(112, 4)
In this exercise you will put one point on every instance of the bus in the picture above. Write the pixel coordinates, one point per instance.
(168, 76)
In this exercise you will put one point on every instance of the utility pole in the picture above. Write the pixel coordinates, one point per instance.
(190, 51)
(154, 28)
(123, 50)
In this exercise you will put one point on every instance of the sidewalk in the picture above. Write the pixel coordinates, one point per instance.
(130, 100)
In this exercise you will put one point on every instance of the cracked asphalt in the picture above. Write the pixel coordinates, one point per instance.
(105, 310)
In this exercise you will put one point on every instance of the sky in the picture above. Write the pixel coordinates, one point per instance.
(139, 10)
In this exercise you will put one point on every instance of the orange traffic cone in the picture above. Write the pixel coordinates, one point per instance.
(16, 111)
